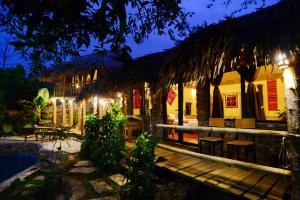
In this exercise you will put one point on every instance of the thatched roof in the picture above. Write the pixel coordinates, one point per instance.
(261, 34)
(107, 61)
(143, 69)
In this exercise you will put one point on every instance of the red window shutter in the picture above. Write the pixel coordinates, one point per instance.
(272, 94)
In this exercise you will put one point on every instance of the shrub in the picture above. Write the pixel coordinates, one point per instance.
(141, 165)
(104, 142)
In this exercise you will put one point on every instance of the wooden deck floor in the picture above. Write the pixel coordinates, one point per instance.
(249, 184)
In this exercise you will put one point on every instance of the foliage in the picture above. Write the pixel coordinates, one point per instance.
(34, 109)
(104, 142)
(58, 136)
(11, 122)
(282, 115)
(47, 29)
(141, 165)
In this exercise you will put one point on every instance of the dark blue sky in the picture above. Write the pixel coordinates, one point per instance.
(158, 43)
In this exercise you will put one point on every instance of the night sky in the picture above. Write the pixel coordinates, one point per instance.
(158, 43)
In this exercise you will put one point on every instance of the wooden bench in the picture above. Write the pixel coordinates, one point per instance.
(213, 141)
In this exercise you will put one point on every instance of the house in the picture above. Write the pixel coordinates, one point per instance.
(69, 80)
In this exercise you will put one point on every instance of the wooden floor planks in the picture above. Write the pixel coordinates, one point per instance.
(241, 182)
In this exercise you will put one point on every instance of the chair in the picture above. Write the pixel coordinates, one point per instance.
(134, 124)
(243, 143)
(213, 141)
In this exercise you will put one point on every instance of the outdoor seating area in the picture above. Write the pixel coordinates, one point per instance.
(243, 139)
(43, 133)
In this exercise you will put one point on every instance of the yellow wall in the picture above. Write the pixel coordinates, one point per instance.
(273, 115)
(188, 97)
(229, 89)
(235, 89)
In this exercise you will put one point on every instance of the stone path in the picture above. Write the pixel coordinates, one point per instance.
(82, 170)
(100, 186)
(77, 188)
(119, 179)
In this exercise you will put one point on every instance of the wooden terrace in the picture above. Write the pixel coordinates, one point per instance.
(250, 182)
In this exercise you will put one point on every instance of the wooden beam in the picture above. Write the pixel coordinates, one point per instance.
(227, 161)
(254, 132)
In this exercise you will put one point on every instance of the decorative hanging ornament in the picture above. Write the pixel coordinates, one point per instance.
(137, 98)
(171, 96)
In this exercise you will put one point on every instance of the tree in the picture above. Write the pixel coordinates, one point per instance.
(6, 51)
(49, 28)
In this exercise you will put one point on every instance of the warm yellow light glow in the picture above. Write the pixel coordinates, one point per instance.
(289, 79)
(53, 99)
(102, 102)
(62, 100)
(282, 60)
(119, 95)
(77, 86)
(194, 92)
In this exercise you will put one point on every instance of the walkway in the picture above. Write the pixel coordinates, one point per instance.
(247, 183)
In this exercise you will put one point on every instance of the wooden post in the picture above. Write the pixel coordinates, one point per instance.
(143, 112)
(64, 112)
(203, 103)
(243, 96)
(156, 111)
(79, 123)
(71, 112)
(95, 102)
(54, 112)
(291, 77)
(83, 115)
(180, 109)
(99, 109)
(165, 111)
(130, 102)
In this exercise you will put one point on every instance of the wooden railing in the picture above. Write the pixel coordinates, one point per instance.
(253, 132)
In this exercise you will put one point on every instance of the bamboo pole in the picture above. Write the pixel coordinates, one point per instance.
(228, 161)
(254, 132)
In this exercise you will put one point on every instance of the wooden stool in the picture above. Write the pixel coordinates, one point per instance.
(246, 144)
(237, 144)
(213, 141)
